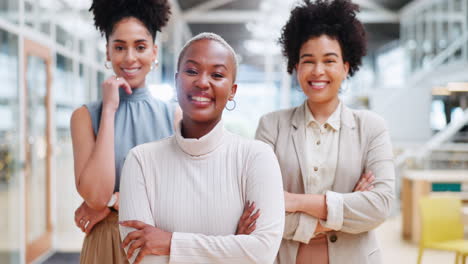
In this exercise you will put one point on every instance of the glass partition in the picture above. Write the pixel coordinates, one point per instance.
(9, 150)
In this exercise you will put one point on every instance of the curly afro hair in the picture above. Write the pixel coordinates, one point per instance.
(336, 19)
(154, 14)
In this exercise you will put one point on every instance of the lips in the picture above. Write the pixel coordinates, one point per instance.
(131, 72)
(318, 85)
(200, 99)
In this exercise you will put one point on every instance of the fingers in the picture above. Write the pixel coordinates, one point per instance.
(251, 228)
(248, 209)
(121, 82)
(365, 182)
(130, 237)
(143, 252)
(247, 223)
(134, 246)
(82, 223)
(133, 223)
(252, 219)
(78, 215)
(89, 226)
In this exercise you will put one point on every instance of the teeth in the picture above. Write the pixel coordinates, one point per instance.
(317, 83)
(200, 99)
(130, 71)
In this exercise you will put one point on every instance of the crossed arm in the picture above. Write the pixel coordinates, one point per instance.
(149, 243)
(356, 212)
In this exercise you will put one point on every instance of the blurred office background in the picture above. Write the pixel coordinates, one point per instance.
(52, 61)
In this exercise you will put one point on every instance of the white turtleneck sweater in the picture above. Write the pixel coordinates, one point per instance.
(197, 189)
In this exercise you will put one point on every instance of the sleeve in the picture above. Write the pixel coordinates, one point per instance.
(267, 131)
(134, 200)
(299, 227)
(264, 186)
(334, 203)
(359, 212)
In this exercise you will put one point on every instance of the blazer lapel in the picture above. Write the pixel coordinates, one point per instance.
(299, 140)
(348, 158)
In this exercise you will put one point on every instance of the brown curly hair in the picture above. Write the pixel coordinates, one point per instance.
(154, 14)
(336, 19)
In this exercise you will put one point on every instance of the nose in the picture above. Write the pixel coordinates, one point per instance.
(130, 56)
(203, 82)
(318, 69)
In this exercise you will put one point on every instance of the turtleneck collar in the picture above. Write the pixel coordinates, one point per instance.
(203, 145)
(137, 94)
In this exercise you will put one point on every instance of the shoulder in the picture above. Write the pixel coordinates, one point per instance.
(80, 115)
(280, 115)
(167, 109)
(147, 149)
(163, 105)
(251, 148)
(369, 119)
(93, 107)
(369, 123)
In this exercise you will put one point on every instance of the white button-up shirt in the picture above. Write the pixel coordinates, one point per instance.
(322, 141)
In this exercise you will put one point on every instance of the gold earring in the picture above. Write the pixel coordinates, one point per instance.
(154, 64)
(108, 65)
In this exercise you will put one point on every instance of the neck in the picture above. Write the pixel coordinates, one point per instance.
(194, 129)
(323, 110)
(143, 84)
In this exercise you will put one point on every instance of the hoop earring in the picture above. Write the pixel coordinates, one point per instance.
(233, 107)
(107, 66)
(154, 64)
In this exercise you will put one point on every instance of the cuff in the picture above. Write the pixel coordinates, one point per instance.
(181, 248)
(334, 202)
(306, 228)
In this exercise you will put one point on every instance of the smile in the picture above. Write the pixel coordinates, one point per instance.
(200, 99)
(130, 70)
(317, 85)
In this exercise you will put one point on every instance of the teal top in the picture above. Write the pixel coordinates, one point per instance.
(140, 118)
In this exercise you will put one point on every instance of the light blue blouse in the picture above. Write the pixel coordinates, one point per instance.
(140, 118)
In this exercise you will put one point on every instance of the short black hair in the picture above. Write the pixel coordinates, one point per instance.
(335, 19)
(154, 14)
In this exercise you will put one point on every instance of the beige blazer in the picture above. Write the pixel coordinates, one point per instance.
(364, 145)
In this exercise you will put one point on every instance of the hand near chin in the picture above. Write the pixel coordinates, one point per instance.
(148, 239)
(110, 92)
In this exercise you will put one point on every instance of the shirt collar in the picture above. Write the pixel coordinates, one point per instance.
(203, 145)
(334, 121)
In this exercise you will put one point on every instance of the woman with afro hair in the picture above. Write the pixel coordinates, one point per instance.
(336, 163)
(103, 132)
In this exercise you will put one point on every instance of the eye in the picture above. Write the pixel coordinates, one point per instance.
(308, 61)
(330, 61)
(217, 75)
(141, 48)
(191, 71)
(119, 48)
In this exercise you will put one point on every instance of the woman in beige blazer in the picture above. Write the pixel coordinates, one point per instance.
(324, 147)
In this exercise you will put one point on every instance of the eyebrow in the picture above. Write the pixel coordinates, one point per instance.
(325, 55)
(216, 65)
(136, 41)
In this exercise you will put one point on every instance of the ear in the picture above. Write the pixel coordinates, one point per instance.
(176, 79)
(107, 52)
(233, 91)
(346, 68)
(155, 52)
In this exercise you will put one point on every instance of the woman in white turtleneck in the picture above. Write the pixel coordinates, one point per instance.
(181, 197)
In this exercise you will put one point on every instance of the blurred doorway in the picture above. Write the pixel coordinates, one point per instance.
(37, 123)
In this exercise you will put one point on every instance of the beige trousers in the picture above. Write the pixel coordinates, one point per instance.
(102, 245)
